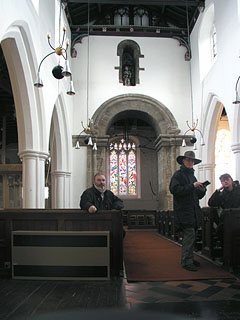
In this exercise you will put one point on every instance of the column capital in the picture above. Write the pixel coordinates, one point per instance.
(206, 166)
(32, 154)
(167, 140)
(60, 173)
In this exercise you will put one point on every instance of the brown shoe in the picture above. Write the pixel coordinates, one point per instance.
(190, 267)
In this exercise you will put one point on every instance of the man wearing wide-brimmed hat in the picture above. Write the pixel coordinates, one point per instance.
(186, 192)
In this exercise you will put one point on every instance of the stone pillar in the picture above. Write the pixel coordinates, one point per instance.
(33, 178)
(60, 189)
(206, 172)
(236, 151)
(167, 151)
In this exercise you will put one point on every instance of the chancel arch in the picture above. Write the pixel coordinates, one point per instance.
(149, 118)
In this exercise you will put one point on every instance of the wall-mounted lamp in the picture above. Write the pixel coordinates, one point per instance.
(193, 139)
(237, 101)
(89, 139)
(58, 71)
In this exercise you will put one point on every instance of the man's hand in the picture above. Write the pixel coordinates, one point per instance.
(198, 184)
(92, 209)
(220, 189)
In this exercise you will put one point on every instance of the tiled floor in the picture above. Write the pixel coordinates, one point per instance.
(120, 299)
(205, 299)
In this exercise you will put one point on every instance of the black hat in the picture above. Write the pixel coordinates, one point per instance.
(188, 154)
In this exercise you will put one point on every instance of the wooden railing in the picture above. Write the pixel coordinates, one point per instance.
(61, 220)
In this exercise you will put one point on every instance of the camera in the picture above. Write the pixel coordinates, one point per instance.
(206, 183)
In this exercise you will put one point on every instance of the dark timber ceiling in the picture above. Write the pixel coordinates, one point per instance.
(166, 18)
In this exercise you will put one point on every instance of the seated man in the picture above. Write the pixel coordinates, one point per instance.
(98, 197)
(227, 196)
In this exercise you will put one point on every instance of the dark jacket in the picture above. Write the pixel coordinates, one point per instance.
(92, 197)
(186, 198)
(226, 199)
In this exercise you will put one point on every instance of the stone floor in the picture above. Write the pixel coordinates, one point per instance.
(117, 298)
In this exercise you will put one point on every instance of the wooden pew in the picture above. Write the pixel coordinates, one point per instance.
(61, 220)
(231, 238)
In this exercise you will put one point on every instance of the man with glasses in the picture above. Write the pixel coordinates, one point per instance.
(186, 192)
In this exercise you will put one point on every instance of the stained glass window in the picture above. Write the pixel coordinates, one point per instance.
(123, 162)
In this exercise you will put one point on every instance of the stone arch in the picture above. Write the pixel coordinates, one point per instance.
(161, 119)
(167, 141)
(60, 149)
(210, 125)
(18, 49)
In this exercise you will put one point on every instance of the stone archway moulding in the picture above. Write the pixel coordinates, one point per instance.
(166, 130)
(161, 118)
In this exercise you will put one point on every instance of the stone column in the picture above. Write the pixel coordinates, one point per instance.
(236, 151)
(167, 151)
(33, 178)
(206, 172)
(60, 189)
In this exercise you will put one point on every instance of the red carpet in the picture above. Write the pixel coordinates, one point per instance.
(149, 257)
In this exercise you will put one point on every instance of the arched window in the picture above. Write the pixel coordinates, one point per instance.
(141, 17)
(207, 39)
(123, 168)
(224, 160)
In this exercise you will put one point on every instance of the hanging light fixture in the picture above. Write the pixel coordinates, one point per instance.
(237, 100)
(90, 139)
(193, 126)
(58, 71)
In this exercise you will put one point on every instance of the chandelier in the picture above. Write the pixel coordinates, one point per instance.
(193, 126)
(89, 139)
(61, 51)
(88, 129)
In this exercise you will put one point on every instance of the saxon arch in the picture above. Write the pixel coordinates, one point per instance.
(166, 144)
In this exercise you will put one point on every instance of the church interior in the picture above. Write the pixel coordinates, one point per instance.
(121, 89)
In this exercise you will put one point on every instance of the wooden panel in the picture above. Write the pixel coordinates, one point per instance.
(64, 220)
(231, 250)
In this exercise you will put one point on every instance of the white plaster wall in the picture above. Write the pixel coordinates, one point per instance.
(165, 78)
(220, 81)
